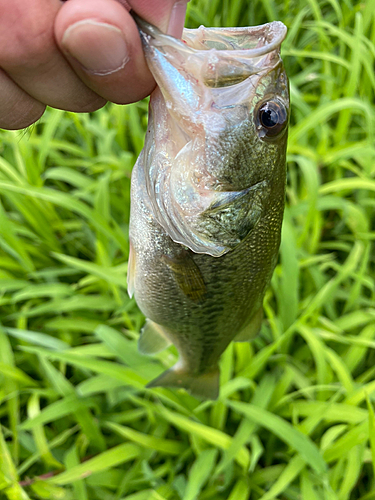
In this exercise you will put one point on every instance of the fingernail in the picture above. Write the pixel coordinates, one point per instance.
(99, 47)
(177, 19)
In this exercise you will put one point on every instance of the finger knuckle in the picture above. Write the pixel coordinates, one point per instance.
(25, 36)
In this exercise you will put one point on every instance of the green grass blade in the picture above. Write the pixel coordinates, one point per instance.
(295, 439)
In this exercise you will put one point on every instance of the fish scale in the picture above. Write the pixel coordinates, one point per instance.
(207, 195)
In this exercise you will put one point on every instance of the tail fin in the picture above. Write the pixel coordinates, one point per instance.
(204, 386)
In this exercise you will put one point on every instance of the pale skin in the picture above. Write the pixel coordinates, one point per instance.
(75, 55)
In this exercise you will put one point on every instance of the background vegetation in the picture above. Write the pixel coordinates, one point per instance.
(296, 414)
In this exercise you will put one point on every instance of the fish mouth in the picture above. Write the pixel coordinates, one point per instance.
(251, 41)
(224, 56)
(238, 52)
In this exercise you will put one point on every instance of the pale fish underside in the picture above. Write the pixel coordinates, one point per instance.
(207, 194)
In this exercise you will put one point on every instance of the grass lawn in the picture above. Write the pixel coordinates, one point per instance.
(295, 419)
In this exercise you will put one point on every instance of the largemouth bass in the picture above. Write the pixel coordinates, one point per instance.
(207, 194)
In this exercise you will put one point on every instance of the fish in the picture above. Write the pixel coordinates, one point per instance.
(208, 194)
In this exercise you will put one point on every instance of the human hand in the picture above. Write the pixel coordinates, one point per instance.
(75, 55)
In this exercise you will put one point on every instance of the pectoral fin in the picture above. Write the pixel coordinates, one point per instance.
(252, 329)
(152, 339)
(234, 214)
(187, 275)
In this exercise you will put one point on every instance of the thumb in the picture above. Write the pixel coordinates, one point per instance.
(177, 18)
(167, 15)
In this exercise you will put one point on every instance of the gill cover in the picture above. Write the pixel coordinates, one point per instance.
(206, 84)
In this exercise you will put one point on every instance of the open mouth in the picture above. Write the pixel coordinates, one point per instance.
(252, 41)
(219, 57)
(230, 55)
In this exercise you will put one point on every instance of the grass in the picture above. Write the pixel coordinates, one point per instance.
(295, 418)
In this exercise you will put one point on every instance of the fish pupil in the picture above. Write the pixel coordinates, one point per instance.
(269, 118)
(272, 117)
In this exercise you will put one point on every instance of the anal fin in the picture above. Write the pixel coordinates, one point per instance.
(205, 386)
(152, 339)
(251, 330)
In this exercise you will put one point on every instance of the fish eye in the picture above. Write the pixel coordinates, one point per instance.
(272, 118)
